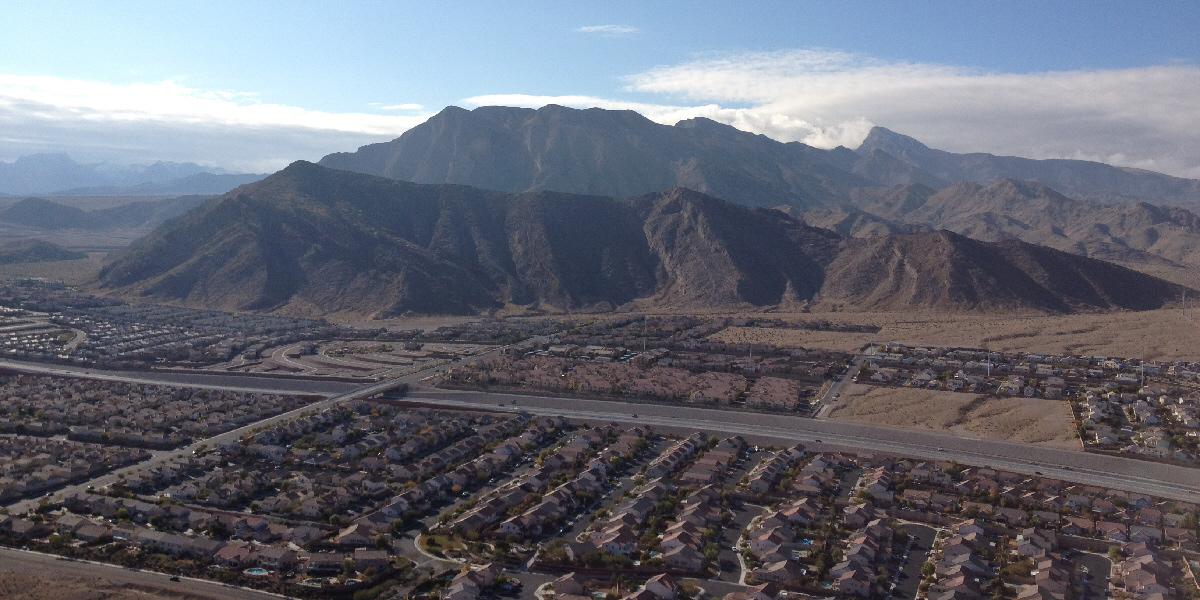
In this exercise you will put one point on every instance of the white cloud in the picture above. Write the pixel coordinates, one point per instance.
(138, 122)
(409, 106)
(1140, 117)
(608, 30)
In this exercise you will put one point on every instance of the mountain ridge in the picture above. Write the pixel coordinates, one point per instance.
(320, 239)
(623, 154)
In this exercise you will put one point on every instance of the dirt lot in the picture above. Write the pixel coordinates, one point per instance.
(1161, 334)
(73, 272)
(1030, 420)
(796, 337)
(25, 586)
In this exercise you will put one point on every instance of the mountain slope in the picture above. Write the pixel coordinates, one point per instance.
(947, 271)
(322, 240)
(30, 251)
(915, 162)
(47, 214)
(1028, 211)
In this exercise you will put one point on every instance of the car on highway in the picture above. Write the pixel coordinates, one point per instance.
(174, 578)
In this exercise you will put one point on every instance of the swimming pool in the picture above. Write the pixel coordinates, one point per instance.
(256, 571)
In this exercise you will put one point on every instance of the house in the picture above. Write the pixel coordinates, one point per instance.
(854, 582)
(663, 586)
(354, 535)
(234, 555)
(276, 558)
(91, 532)
(571, 584)
(684, 558)
(779, 571)
(365, 558)
(325, 562)
(764, 591)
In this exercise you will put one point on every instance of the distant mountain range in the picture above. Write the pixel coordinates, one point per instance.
(316, 240)
(58, 174)
(46, 214)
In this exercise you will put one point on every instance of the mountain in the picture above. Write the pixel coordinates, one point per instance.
(623, 154)
(40, 173)
(53, 173)
(30, 251)
(914, 162)
(197, 184)
(47, 214)
(947, 271)
(1028, 211)
(319, 240)
(603, 152)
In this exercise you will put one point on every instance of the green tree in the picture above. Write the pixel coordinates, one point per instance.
(382, 541)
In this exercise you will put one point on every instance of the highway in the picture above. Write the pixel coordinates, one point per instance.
(1168, 481)
(216, 381)
(49, 566)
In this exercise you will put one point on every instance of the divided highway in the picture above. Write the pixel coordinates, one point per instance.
(1168, 481)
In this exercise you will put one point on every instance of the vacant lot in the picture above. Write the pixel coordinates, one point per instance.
(1161, 334)
(1030, 420)
(72, 272)
(26, 586)
(795, 337)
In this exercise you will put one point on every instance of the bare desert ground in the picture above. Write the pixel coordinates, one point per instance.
(27, 586)
(795, 337)
(1161, 334)
(72, 272)
(1031, 420)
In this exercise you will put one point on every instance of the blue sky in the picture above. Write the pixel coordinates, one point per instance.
(253, 85)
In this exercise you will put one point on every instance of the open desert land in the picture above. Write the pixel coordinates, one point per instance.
(64, 586)
(71, 272)
(1161, 334)
(1031, 420)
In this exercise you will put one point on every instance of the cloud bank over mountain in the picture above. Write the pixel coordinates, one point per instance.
(147, 122)
(1139, 117)
(1143, 117)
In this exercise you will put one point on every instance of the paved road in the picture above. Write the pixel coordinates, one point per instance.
(918, 553)
(834, 391)
(48, 566)
(232, 382)
(1091, 572)
(1168, 481)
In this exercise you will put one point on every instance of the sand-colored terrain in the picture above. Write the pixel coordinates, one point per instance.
(72, 272)
(28, 586)
(804, 338)
(1031, 420)
(1162, 334)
